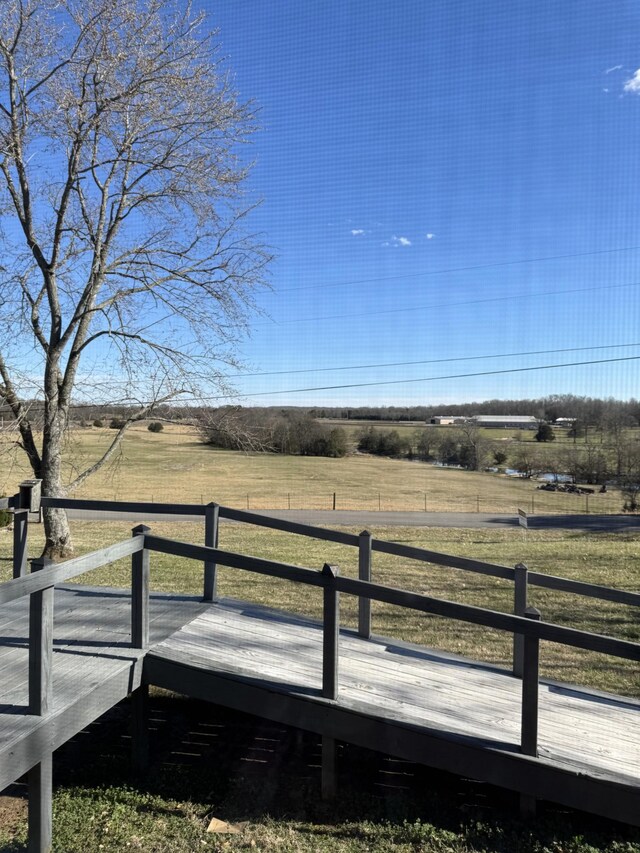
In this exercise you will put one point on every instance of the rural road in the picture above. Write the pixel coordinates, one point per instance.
(364, 519)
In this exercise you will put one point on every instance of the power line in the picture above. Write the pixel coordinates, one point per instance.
(451, 304)
(431, 378)
(457, 269)
(200, 400)
(430, 361)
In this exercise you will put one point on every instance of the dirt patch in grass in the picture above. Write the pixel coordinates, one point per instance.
(13, 812)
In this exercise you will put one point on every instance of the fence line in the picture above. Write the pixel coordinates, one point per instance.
(537, 503)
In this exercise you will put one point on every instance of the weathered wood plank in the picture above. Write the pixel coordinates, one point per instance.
(313, 532)
(139, 507)
(425, 556)
(604, 593)
(52, 575)
(261, 566)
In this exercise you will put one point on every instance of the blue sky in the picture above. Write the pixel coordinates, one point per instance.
(426, 167)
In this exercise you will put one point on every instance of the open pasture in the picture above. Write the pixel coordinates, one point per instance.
(174, 466)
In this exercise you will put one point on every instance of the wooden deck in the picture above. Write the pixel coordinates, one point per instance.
(405, 700)
(61, 670)
(93, 668)
(410, 701)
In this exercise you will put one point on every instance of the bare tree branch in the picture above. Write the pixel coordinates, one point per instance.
(120, 141)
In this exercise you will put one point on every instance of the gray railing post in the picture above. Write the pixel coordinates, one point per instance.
(30, 495)
(40, 647)
(211, 519)
(140, 593)
(530, 679)
(331, 628)
(364, 574)
(520, 604)
(27, 500)
(20, 538)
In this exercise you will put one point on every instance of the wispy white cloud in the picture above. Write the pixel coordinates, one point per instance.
(633, 83)
(613, 68)
(397, 242)
(430, 236)
(357, 232)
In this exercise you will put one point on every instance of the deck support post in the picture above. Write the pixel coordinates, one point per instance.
(211, 520)
(529, 725)
(330, 633)
(364, 574)
(328, 783)
(40, 806)
(140, 593)
(520, 604)
(140, 730)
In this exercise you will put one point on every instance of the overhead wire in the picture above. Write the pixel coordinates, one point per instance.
(413, 308)
(429, 361)
(470, 268)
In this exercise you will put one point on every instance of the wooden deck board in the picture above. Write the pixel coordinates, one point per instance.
(578, 729)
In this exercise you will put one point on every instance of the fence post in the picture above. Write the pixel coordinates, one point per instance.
(330, 634)
(40, 646)
(334, 500)
(211, 518)
(364, 574)
(530, 678)
(140, 593)
(520, 604)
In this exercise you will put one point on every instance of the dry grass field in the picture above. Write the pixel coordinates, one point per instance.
(174, 465)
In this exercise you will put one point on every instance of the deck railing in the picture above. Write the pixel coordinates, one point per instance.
(525, 624)
(39, 586)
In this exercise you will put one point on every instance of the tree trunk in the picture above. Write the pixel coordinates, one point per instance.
(58, 545)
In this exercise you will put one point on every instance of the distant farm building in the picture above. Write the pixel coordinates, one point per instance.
(506, 421)
(564, 422)
(445, 420)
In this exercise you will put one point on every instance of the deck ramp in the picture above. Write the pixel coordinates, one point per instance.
(401, 698)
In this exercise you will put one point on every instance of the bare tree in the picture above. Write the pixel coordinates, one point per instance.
(127, 271)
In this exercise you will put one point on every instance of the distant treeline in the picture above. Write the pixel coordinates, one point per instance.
(588, 410)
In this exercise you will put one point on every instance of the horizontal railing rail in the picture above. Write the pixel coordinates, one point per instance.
(51, 575)
(402, 598)
(448, 560)
(341, 537)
